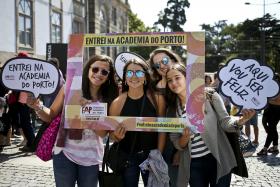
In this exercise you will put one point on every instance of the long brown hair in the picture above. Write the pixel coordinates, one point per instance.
(173, 56)
(171, 97)
(109, 89)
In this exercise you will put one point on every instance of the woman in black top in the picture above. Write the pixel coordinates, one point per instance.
(137, 100)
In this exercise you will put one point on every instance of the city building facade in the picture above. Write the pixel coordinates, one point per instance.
(28, 25)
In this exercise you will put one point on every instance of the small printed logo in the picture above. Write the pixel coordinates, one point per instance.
(9, 77)
(255, 101)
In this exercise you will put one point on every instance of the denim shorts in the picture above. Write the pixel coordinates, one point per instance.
(253, 120)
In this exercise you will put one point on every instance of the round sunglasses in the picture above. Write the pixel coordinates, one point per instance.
(165, 61)
(137, 73)
(95, 70)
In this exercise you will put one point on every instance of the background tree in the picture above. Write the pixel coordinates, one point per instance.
(172, 18)
(137, 25)
(243, 41)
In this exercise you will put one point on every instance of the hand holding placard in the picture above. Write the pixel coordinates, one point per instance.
(247, 83)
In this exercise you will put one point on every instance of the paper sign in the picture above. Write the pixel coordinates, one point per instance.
(93, 111)
(193, 41)
(31, 75)
(247, 83)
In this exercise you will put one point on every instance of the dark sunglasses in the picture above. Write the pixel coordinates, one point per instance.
(104, 72)
(165, 61)
(138, 73)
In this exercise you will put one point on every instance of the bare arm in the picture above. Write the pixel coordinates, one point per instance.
(161, 113)
(275, 100)
(44, 113)
(180, 141)
(115, 110)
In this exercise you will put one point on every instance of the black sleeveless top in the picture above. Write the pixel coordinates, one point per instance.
(144, 141)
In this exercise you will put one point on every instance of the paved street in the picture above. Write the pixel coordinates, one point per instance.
(25, 169)
(263, 171)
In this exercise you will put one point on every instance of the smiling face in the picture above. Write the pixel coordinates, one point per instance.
(176, 82)
(98, 73)
(162, 62)
(135, 76)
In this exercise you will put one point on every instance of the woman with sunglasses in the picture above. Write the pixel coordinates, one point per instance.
(78, 153)
(206, 158)
(137, 99)
(160, 60)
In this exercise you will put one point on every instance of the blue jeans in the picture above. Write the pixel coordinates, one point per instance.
(204, 173)
(132, 173)
(66, 173)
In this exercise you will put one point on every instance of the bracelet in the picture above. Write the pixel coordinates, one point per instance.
(40, 108)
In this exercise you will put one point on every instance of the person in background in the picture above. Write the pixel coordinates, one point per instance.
(205, 158)
(5, 130)
(79, 152)
(208, 80)
(160, 60)
(254, 122)
(137, 99)
(24, 118)
(216, 85)
(270, 120)
(47, 101)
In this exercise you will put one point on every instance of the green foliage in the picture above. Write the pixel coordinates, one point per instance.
(137, 25)
(244, 40)
(173, 16)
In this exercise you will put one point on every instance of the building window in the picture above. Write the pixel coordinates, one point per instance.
(80, 1)
(78, 27)
(114, 16)
(103, 27)
(25, 23)
(56, 31)
(103, 21)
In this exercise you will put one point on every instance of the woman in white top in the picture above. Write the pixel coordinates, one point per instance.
(205, 158)
(78, 153)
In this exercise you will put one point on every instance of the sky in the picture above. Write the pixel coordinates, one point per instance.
(207, 11)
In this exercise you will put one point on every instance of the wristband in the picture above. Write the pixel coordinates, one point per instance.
(40, 107)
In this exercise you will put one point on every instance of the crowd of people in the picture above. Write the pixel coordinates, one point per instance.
(152, 88)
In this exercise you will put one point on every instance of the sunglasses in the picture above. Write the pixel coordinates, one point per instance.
(95, 70)
(138, 73)
(165, 61)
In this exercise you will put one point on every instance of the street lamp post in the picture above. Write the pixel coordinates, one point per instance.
(262, 29)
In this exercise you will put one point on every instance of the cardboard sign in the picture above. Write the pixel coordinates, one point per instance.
(30, 75)
(93, 110)
(247, 83)
(195, 43)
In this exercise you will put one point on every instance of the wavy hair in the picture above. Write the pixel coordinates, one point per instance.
(173, 56)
